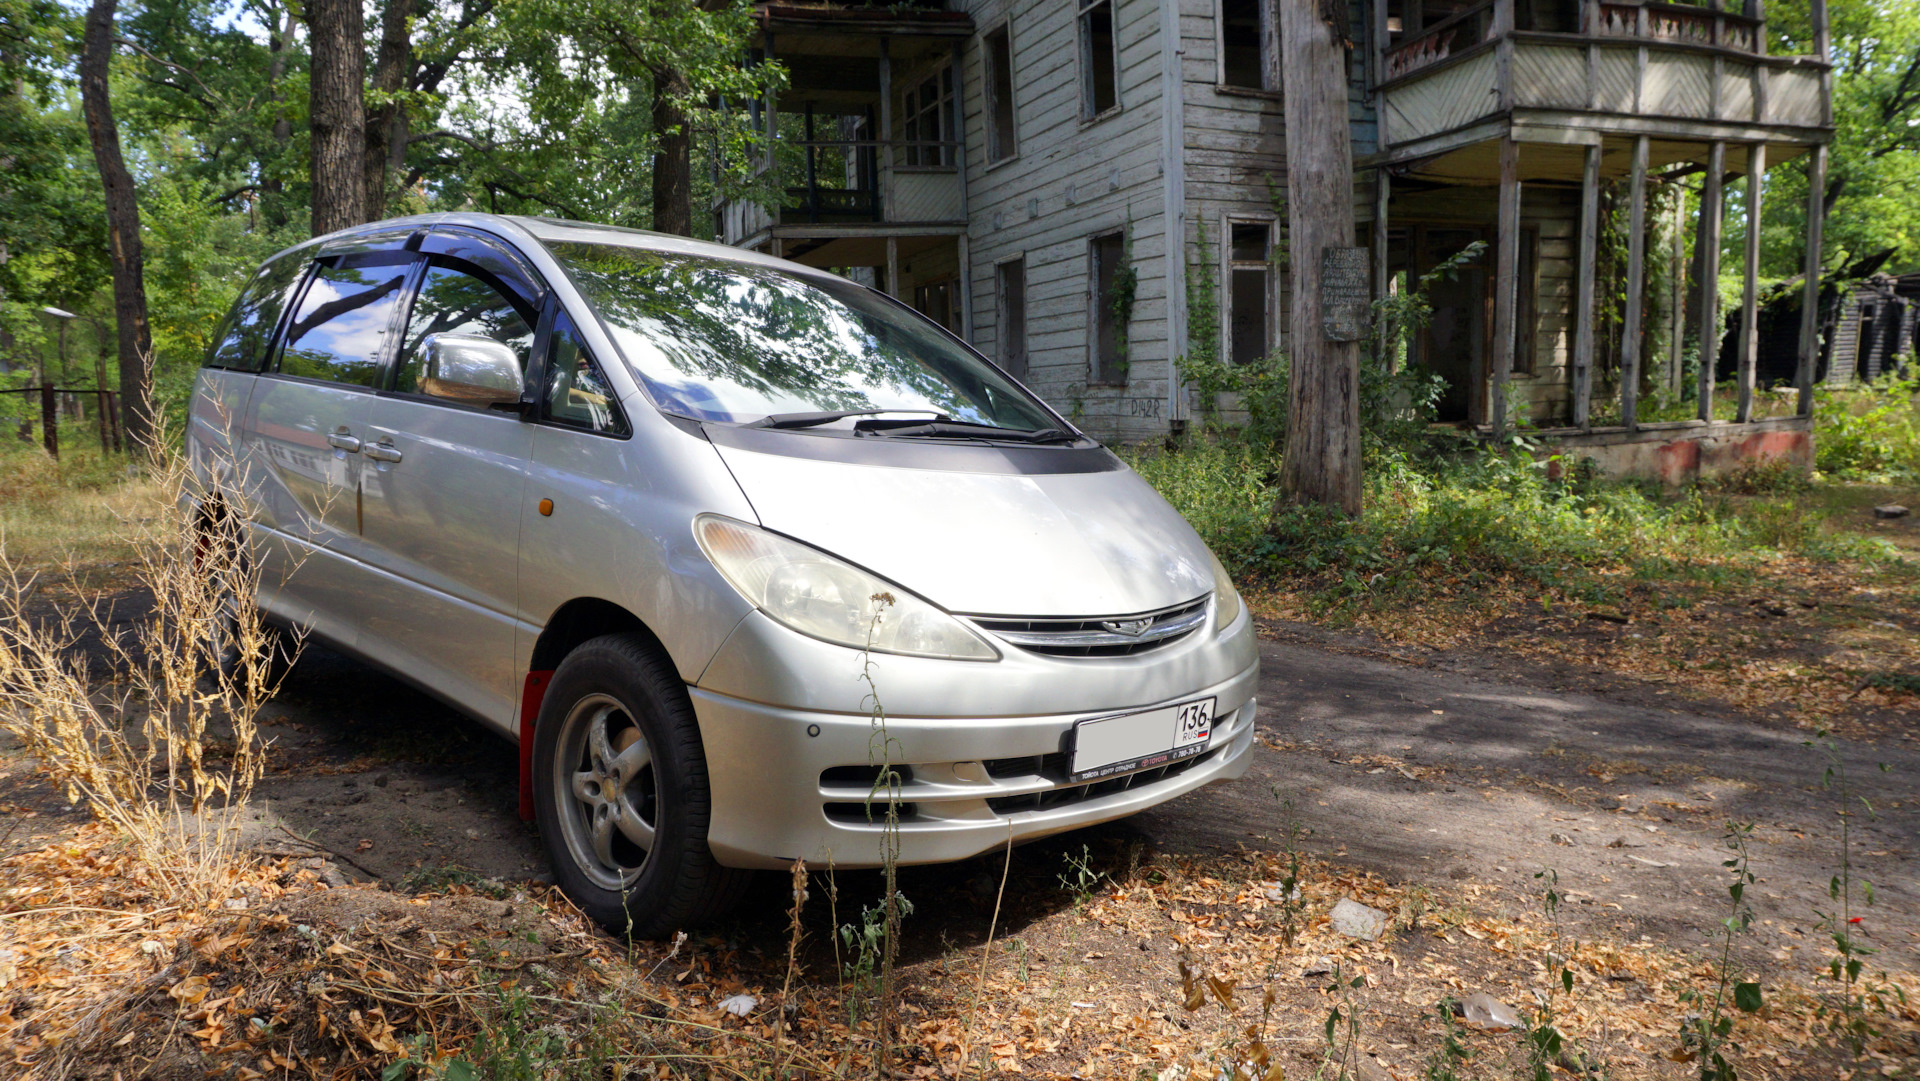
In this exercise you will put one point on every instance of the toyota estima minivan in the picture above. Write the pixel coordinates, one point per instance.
(648, 506)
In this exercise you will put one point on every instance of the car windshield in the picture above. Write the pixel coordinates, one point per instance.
(732, 342)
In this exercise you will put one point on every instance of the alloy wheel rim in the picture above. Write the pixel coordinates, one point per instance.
(603, 781)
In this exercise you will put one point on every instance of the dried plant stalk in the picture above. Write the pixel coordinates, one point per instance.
(166, 745)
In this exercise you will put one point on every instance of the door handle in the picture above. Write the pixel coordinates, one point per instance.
(383, 452)
(340, 440)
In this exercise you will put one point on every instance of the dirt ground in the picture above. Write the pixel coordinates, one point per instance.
(1441, 780)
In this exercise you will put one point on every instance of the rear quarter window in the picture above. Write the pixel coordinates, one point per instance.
(244, 336)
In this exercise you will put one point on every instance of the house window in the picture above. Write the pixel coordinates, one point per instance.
(1250, 292)
(929, 121)
(1243, 44)
(1099, 77)
(1012, 288)
(1107, 342)
(935, 301)
(1002, 143)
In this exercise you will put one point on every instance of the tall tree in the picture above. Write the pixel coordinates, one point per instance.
(123, 226)
(386, 149)
(672, 157)
(336, 115)
(1322, 459)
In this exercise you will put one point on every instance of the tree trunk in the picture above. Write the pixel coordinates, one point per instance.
(672, 160)
(386, 122)
(1322, 461)
(337, 117)
(123, 226)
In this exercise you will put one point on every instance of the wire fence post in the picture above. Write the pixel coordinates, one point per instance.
(50, 421)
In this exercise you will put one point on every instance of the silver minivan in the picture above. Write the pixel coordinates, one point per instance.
(719, 540)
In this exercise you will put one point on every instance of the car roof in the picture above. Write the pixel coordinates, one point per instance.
(542, 230)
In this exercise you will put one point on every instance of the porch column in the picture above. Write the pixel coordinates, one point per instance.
(893, 267)
(1677, 296)
(1585, 258)
(1382, 189)
(1810, 298)
(1750, 287)
(1712, 216)
(1506, 280)
(1631, 331)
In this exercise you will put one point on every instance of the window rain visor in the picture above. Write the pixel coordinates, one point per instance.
(732, 342)
(820, 596)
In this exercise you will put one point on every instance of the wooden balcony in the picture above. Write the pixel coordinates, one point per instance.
(847, 187)
(1663, 70)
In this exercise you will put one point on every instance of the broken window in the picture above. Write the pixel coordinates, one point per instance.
(1001, 140)
(1249, 292)
(1107, 344)
(1012, 282)
(1243, 44)
(1099, 77)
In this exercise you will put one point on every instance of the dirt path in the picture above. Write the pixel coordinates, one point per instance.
(1428, 777)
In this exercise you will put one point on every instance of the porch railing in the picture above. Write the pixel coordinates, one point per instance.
(1683, 24)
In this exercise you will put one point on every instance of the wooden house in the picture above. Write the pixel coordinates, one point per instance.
(1093, 190)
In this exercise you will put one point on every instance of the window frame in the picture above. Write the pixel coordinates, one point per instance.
(1098, 316)
(534, 315)
(1269, 87)
(945, 158)
(1268, 294)
(1002, 309)
(535, 408)
(1083, 30)
(339, 260)
(990, 95)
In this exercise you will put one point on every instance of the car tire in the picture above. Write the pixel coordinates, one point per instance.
(620, 792)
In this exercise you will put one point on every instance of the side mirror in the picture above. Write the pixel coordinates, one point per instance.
(472, 370)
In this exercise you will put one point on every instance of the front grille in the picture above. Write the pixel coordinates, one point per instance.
(1098, 636)
(873, 777)
(1081, 793)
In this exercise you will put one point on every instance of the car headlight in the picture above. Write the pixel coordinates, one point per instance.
(825, 598)
(1226, 601)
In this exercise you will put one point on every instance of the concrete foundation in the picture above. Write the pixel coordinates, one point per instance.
(1683, 451)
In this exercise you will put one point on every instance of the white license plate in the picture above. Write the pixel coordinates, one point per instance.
(1109, 746)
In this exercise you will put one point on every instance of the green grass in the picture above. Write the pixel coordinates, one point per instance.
(1439, 525)
(70, 510)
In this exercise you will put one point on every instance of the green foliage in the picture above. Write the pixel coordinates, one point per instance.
(1463, 521)
(1869, 432)
(1873, 173)
(1706, 1034)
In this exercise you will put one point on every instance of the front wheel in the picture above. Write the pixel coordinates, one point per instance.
(620, 792)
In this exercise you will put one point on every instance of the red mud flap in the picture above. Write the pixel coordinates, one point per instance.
(531, 695)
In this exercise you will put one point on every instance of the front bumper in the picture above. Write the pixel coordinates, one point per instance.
(791, 783)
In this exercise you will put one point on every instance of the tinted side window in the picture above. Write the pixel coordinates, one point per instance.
(241, 343)
(341, 324)
(452, 309)
(577, 394)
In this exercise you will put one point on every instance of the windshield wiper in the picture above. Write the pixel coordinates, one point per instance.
(810, 420)
(951, 429)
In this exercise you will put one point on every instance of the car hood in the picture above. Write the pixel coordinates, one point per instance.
(1072, 544)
